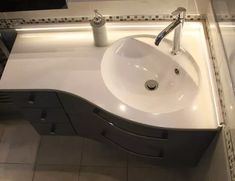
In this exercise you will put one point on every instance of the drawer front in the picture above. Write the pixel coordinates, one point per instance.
(134, 144)
(135, 128)
(5, 99)
(35, 99)
(45, 115)
(92, 126)
(74, 104)
(64, 129)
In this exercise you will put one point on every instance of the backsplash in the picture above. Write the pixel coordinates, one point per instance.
(77, 8)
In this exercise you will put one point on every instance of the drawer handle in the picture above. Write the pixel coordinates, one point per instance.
(31, 99)
(53, 129)
(43, 115)
(163, 136)
(160, 155)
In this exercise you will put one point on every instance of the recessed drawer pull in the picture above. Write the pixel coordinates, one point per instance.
(162, 136)
(31, 99)
(43, 115)
(53, 129)
(160, 155)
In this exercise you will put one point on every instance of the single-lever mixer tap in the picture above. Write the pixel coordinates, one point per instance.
(176, 25)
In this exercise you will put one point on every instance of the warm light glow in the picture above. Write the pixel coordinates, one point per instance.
(54, 28)
(194, 107)
(156, 113)
(87, 26)
(137, 66)
(226, 26)
(122, 107)
(181, 97)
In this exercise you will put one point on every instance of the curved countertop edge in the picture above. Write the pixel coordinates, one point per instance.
(147, 119)
(111, 113)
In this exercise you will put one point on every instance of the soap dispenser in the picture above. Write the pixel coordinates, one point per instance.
(99, 30)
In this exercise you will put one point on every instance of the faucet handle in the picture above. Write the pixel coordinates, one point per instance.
(180, 12)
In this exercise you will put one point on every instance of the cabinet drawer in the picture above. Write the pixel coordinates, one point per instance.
(91, 126)
(54, 129)
(35, 99)
(5, 98)
(56, 115)
(134, 144)
(132, 127)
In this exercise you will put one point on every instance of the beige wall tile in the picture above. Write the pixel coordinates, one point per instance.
(99, 154)
(114, 7)
(19, 142)
(64, 150)
(103, 174)
(56, 173)
(16, 172)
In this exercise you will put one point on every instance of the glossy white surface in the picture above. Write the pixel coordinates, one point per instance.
(68, 61)
(130, 62)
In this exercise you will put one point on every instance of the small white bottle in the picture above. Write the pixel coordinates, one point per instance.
(99, 30)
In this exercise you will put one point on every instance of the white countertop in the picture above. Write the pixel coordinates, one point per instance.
(68, 61)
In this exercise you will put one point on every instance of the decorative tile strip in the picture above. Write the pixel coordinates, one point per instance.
(14, 23)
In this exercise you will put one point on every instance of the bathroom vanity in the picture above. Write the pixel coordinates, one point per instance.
(64, 85)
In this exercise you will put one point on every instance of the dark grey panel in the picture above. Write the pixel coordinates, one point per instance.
(51, 115)
(35, 99)
(54, 129)
(25, 5)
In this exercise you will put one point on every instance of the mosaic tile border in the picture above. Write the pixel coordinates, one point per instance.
(225, 17)
(14, 23)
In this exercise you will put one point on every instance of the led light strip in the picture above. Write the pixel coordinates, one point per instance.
(82, 27)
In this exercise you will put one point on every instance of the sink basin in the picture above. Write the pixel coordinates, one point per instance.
(149, 78)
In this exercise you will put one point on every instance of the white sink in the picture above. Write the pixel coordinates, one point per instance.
(131, 63)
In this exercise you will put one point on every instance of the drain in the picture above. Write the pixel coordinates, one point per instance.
(177, 71)
(151, 84)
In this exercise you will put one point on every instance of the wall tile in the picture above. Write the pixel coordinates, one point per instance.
(150, 174)
(103, 174)
(219, 163)
(115, 7)
(213, 165)
(98, 154)
(19, 142)
(16, 172)
(56, 173)
(64, 150)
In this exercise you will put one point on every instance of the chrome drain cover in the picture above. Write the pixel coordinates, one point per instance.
(151, 84)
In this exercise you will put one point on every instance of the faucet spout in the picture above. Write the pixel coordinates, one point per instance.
(166, 31)
(175, 25)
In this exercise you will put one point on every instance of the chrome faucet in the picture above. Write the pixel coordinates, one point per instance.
(175, 25)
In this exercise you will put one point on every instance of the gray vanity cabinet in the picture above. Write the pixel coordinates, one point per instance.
(167, 146)
(60, 113)
(44, 111)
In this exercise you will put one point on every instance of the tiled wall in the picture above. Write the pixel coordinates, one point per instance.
(224, 6)
(224, 85)
(213, 165)
(115, 7)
